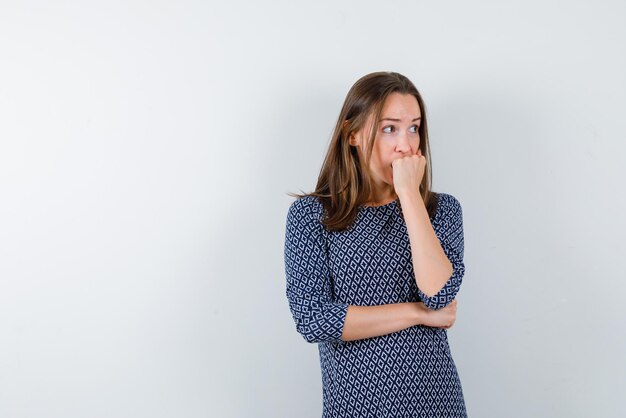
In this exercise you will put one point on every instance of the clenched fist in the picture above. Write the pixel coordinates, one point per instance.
(441, 318)
(408, 173)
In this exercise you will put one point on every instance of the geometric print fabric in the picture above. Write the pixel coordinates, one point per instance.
(409, 373)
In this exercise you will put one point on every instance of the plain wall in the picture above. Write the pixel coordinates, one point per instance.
(146, 149)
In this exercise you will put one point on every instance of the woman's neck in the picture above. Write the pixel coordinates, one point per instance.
(382, 197)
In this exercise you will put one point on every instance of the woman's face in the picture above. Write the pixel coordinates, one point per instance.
(397, 136)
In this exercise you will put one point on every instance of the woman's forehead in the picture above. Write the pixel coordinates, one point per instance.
(400, 106)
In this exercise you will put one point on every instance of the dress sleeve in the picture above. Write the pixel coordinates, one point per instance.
(317, 317)
(448, 225)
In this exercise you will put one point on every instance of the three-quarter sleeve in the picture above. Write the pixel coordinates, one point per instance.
(308, 286)
(448, 225)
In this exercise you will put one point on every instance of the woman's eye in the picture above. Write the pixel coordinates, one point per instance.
(414, 128)
(388, 129)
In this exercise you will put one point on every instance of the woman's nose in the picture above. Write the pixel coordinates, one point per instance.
(403, 143)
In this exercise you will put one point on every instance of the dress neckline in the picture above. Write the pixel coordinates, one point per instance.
(390, 204)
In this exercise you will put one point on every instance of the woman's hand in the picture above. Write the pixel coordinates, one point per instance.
(441, 318)
(408, 173)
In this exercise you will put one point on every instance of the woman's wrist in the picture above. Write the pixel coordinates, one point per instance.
(417, 314)
(408, 195)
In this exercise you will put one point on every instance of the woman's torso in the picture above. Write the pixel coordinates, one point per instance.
(406, 373)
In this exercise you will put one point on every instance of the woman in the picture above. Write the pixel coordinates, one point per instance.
(374, 260)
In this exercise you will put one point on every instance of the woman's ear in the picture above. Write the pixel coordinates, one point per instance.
(352, 139)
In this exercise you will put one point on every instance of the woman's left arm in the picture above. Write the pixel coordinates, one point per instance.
(438, 266)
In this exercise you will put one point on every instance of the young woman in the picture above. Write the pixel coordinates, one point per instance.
(374, 260)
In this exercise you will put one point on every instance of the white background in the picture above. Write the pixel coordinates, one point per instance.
(147, 149)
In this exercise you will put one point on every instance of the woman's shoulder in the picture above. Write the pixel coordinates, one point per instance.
(447, 199)
(307, 204)
(448, 208)
(306, 209)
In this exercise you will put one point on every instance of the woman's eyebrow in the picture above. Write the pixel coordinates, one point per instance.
(398, 120)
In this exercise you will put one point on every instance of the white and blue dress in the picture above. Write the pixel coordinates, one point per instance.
(409, 373)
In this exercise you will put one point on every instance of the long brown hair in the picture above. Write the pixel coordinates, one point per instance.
(344, 182)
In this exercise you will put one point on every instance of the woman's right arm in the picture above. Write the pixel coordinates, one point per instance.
(317, 317)
(373, 321)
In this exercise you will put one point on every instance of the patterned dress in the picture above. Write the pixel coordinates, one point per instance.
(409, 373)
